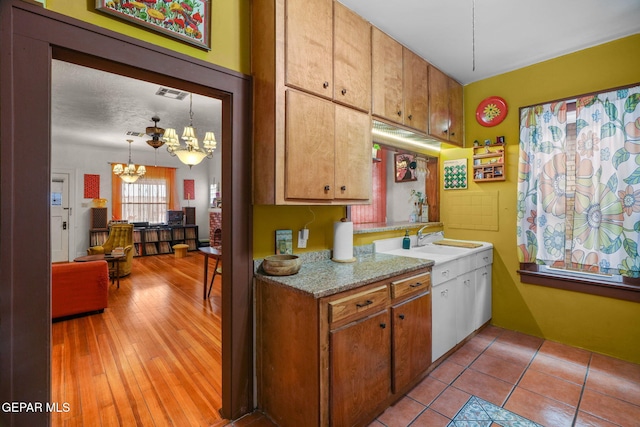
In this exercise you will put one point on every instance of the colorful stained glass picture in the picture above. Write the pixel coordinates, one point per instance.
(91, 186)
(455, 174)
(188, 20)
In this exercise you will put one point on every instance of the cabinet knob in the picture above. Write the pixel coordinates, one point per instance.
(383, 325)
(453, 133)
(325, 85)
(415, 285)
(445, 131)
(344, 91)
(327, 187)
(343, 188)
(399, 112)
(401, 316)
(410, 116)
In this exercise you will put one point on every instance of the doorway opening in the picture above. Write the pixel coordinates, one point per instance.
(157, 325)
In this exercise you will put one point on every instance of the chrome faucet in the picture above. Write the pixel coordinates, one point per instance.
(421, 236)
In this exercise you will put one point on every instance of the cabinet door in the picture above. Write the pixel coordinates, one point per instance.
(416, 91)
(352, 154)
(309, 46)
(309, 147)
(455, 113)
(352, 58)
(360, 372)
(483, 296)
(465, 306)
(443, 327)
(438, 104)
(386, 76)
(411, 340)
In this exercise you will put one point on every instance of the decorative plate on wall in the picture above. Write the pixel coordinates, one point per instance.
(491, 111)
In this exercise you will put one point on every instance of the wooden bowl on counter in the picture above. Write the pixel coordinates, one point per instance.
(281, 265)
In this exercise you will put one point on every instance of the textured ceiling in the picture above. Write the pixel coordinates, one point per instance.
(89, 106)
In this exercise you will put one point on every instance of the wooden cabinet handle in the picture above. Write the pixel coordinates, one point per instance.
(325, 85)
(327, 187)
(343, 188)
(364, 304)
(344, 91)
(401, 317)
(383, 325)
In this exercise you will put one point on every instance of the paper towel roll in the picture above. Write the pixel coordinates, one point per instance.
(343, 241)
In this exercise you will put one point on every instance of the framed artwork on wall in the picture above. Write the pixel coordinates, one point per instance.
(189, 189)
(405, 167)
(188, 20)
(455, 174)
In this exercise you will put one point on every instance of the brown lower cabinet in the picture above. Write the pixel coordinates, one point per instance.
(342, 359)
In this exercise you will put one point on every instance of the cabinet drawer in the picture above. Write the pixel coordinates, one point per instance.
(363, 301)
(444, 272)
(483, 258)
(410, 285)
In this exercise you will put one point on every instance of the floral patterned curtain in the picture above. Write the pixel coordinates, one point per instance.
(579, 196)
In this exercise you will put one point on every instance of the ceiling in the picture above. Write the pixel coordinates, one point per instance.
(95, 107)
(90, 106)
(509, 34)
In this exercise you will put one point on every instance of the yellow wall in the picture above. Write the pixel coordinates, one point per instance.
(599, 324)
(230, 31)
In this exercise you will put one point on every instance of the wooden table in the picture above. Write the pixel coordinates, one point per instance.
(116, 260)
(208, 251)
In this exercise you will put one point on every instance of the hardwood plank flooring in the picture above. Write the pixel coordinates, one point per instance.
(153, 358)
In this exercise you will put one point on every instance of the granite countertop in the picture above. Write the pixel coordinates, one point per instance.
(325, 277)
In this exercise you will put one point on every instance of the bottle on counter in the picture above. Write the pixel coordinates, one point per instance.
(406, 242)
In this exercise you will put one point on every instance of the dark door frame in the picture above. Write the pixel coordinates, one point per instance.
(30, 37)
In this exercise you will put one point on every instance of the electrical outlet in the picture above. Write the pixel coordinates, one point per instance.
(303, 236)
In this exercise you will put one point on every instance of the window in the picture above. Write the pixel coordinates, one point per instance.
(579, 185)
(146, 200)
(376, 212)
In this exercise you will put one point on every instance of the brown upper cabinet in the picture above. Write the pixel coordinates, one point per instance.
(308, 56)
(309, 46)
(399, 82)
(351, 59)
(445, 107)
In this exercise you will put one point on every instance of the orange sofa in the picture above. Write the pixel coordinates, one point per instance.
(79, 287)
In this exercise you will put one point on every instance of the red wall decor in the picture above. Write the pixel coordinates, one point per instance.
(189, 189)
(91, 186)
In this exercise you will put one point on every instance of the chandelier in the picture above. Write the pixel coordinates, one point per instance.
(190, 153)
(129, 173)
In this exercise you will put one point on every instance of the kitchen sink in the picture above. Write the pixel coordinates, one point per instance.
(440, 250)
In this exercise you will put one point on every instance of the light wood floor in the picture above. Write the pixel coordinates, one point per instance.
(153, 358)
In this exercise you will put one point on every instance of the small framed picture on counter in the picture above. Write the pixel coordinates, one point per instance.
(284, 242)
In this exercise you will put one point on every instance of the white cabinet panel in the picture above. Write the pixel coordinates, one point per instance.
(443, 324)
(465, 306)
(483, 295)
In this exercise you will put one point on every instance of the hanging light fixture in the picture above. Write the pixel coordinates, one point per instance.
(190, 153)
(129, 173)
(155, 132)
